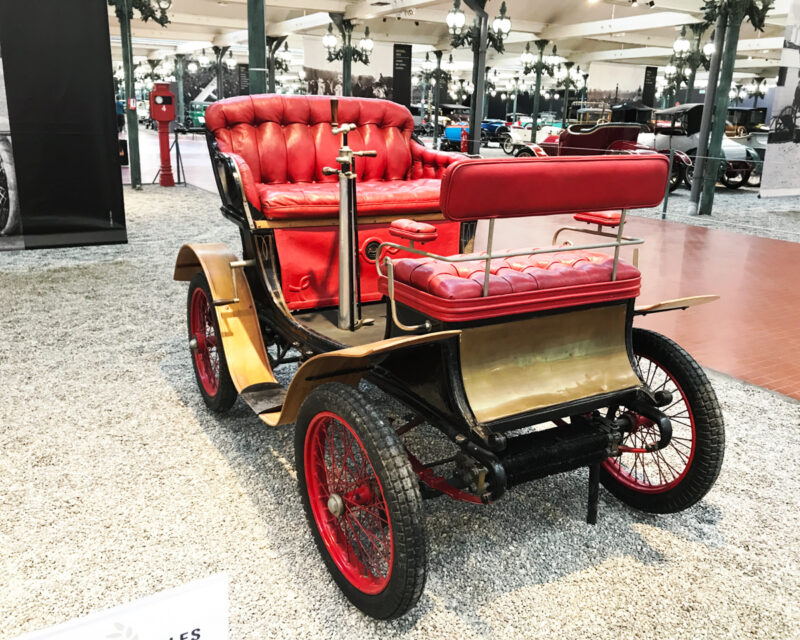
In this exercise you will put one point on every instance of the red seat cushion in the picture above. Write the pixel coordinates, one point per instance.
(452, 291)
(604, 218)
(413, 230)
(308, 200)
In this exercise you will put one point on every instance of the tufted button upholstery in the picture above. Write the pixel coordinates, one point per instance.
(603, 218)
(413, 230)
(453, 291)
(282, 143)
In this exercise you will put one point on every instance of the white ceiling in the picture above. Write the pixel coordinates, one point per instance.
(585, 31)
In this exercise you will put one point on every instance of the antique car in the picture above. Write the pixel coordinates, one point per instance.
(334, 201)
(603, 138)
(678, 128)
(491, 131)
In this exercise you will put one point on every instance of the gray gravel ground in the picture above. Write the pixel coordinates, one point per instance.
(118, 483)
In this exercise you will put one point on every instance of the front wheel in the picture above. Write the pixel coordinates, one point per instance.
(362, 500)
(208, 357)
(508, 144)
(676, 477)
(677, 178)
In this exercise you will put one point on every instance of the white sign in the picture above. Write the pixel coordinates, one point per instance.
(195, 611)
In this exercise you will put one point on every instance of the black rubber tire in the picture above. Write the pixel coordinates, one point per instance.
(523, 152)
(5, 197)
(740, 180)
(508, 144)
(754, 179)
(401, 492)
(678, 176)
(226, 394)
(709, 430)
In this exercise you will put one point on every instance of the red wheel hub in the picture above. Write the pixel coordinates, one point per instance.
(348, 503)
(206, 353)
(656, 471)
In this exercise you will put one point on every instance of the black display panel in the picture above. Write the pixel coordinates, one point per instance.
(59, 90)
(401, 76)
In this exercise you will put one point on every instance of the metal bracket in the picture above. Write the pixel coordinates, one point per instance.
(236, 264)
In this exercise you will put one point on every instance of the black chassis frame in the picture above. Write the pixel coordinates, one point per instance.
(427, 377)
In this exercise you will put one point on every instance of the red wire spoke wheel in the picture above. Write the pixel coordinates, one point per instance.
(362, 500)
(676, 477)
(208, 357)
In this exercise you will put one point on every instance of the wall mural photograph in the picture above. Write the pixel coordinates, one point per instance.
(9, 205)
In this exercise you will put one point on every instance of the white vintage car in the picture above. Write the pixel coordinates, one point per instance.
(679, 128)
(520, 136)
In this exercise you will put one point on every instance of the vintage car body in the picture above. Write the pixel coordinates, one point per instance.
(604, 138)
(334, 284)
(678, 128)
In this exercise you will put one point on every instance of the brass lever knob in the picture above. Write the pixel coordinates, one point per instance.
(329, 171)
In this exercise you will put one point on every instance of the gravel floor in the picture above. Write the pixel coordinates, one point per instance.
(118, 483)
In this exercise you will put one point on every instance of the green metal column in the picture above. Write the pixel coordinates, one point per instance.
(220, 52)
(347, 62)
(273, 46)
(540, 44)
(478, 83)
(130, 94)
(437, 92)
(256, 44)
(735, 17)
(180, 110)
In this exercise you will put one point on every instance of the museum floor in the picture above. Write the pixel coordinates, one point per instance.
(118, 483)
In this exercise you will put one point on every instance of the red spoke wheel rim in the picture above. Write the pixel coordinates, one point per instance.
(658, 471)
(348, 503)
(206, 353)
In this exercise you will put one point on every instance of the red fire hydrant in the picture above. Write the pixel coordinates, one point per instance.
(162, 110)
(464, 139)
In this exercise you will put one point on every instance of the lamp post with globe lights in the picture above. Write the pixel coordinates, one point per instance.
(346, 52)
(539, 64)
(437, 75)
(479, 36)
(568, 77)
(277, 59)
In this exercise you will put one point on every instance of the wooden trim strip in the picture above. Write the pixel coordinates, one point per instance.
(334, 222)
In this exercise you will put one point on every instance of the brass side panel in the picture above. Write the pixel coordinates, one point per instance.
(521, 366)
(238, 323)
(346, 365)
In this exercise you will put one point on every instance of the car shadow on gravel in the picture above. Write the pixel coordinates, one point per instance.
(535, 534)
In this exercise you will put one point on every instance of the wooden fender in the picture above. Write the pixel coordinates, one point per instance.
(672, 305)
(242, 341)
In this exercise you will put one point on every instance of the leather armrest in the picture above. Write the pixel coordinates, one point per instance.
(430, 163)
(413, 231)
(246, 176)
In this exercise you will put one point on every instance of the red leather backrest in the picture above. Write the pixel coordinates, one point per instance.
(517, 187)
(288, 138)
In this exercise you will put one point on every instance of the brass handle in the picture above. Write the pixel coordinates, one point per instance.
(329, 171)
(366, 154)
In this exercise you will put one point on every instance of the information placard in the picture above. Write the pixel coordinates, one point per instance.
(196, 611)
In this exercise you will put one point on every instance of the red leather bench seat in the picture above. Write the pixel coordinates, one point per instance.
(452, 291)
(281, 144)
(321, 199)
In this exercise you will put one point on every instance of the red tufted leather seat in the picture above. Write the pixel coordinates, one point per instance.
(281, 144)
(452, 291)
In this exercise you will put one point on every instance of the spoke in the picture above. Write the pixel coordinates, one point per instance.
(372, 537)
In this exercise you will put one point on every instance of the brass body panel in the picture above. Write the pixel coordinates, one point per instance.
(243, 344)
(516, 367)
(345, 365)
(238, 322)
(334, 222)
(677, 303)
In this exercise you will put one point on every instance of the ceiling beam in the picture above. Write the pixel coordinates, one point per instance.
(632, 23)
(295, 25)
(368, 11)
(623, 54)
(336, 6)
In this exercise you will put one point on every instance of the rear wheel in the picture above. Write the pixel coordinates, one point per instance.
(524, 152)
(679, 475)
(362, 500)
(208, 357)
(677, 178)
(734, 179)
